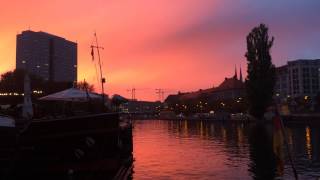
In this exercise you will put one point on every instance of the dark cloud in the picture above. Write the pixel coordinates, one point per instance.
(294, 23)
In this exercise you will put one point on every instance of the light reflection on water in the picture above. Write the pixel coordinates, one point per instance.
(206, 150)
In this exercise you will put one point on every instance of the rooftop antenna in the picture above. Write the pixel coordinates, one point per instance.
(97, 47)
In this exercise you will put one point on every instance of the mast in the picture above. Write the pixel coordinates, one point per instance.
(101, 78)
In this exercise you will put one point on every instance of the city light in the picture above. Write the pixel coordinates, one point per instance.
(37, 92)
(19, 94)
(11, 94)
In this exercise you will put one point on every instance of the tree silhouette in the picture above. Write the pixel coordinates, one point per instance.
(12, 81)
(261, 72)
(83, 85)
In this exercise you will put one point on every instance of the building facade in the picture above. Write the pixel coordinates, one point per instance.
(48, 56)
(299, 78)
(230, 89)
(141, 107)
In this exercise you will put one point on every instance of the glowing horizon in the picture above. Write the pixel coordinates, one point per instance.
(168, 44)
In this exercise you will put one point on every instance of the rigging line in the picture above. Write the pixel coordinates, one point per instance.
(94, 63)
(97, 76)
(97, 47)
(95, 67)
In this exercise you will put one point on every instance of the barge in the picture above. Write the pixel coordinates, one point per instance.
(93, 146)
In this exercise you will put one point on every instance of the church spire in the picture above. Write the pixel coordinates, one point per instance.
(241, 75)
(235, 72)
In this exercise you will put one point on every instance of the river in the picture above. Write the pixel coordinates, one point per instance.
(210, 150)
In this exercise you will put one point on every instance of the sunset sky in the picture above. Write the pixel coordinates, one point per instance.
(171, 44)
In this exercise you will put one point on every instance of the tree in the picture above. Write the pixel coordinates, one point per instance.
(261, 72)
(83, 85)
(13, 81)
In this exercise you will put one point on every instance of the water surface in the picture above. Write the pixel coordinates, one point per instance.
(210, 150)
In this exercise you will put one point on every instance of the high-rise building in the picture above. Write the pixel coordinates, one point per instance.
(298, 78)
(47, 56)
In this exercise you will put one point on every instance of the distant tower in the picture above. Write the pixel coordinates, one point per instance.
(235, 72)
(241, 75)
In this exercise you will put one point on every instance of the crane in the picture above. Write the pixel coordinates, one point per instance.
(133, 92)
(160, 92)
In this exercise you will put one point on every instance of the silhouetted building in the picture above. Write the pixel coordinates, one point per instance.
(229, 89)
(298, 78)
(141, 107)
(48, 56)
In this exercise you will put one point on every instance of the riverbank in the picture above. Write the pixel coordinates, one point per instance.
(287, 119)
(302, 118)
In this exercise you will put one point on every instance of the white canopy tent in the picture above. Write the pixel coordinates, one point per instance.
(6, 121)
(72, 94)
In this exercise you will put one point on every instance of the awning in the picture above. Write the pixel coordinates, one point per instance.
(6, 121)
(72, 94)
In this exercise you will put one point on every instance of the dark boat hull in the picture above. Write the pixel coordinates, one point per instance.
(77, 147)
